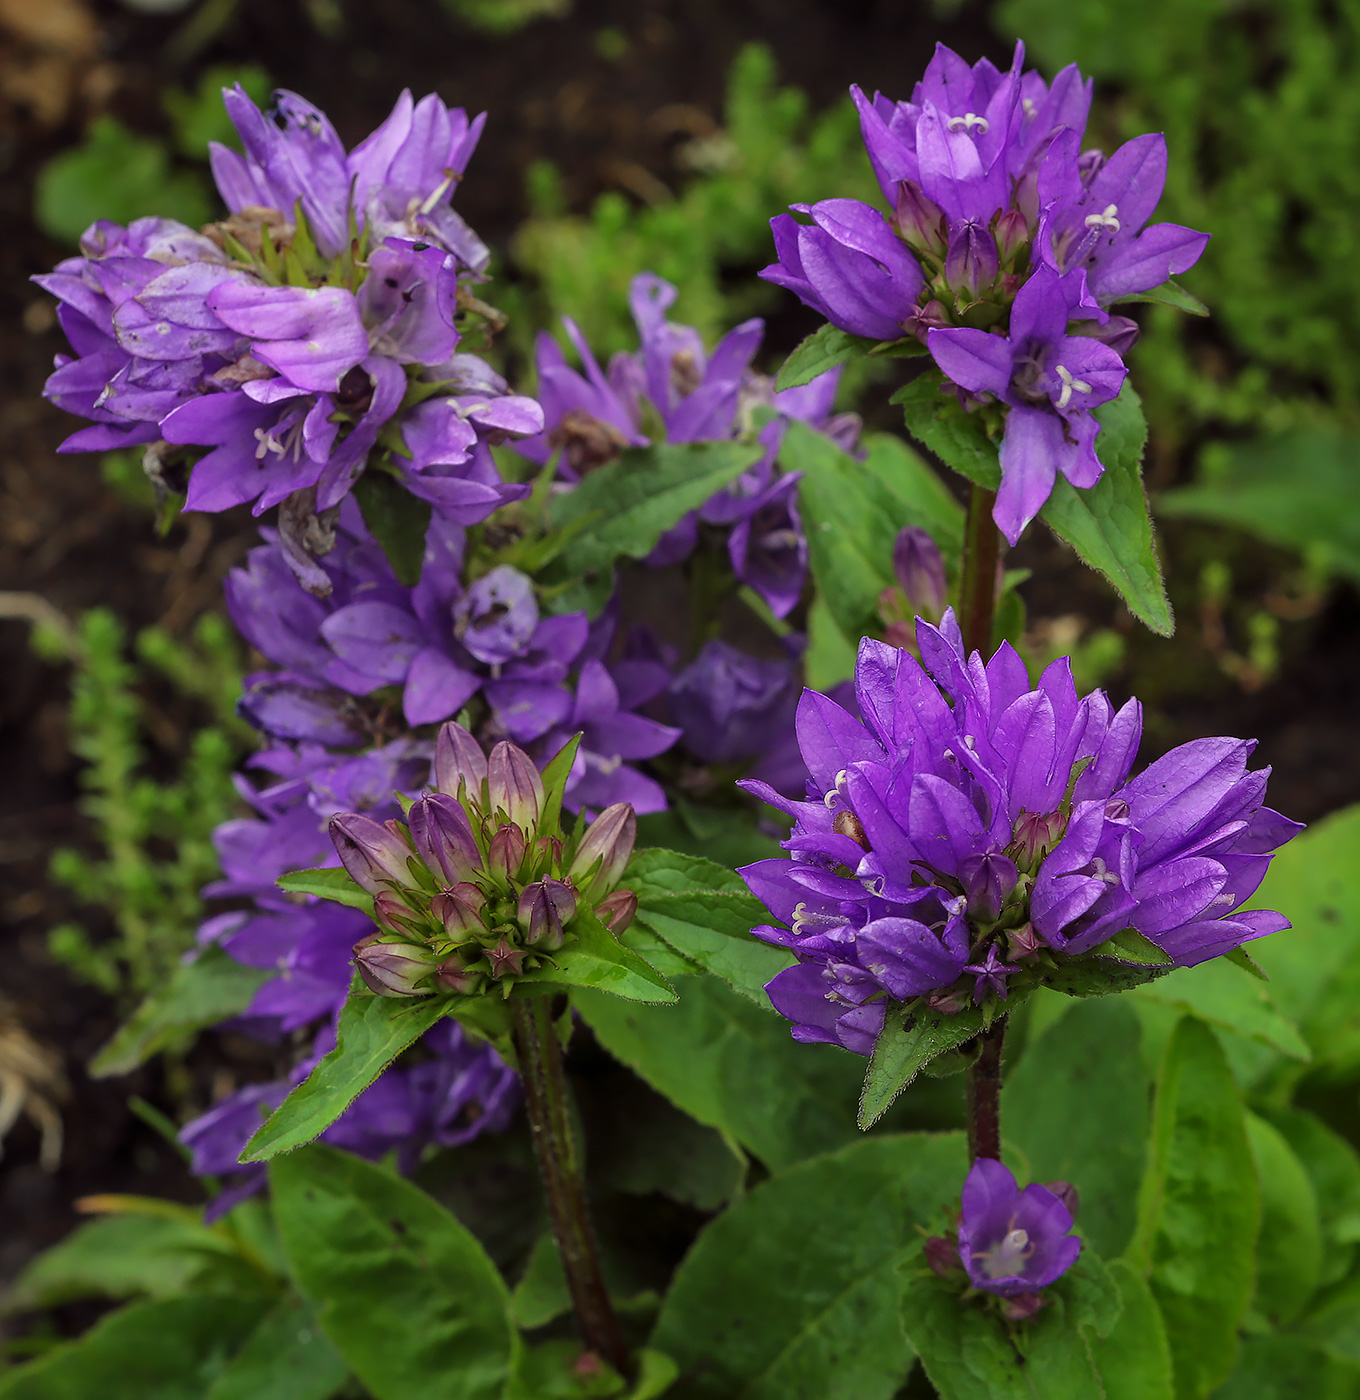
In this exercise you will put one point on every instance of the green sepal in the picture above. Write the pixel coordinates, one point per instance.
(1170, 293)
(555, 776)
(337, 885)
(1246, 962)
(595, 958)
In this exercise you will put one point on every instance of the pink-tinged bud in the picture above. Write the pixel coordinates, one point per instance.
(1022, 943)
(930, 317)
(545, 908)
(442, 834)
(506, 960)
(458, 758)
(1120, 333)
(513, 785)
(608, 845)
(506, 852)
(1066, 1193)
(948, 1003)
(920, 571)
(1012, 235)
(987, 881)
(1035, 835)
(457, 978)
(1021, 1306)
(943, 1255)
(617, 911)
(971, 265)
(920, 220)
(376, 856)
(395, 915)
(460, 911)
(393, 968)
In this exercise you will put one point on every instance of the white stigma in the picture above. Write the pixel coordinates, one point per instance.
(970, 123)
(267, 443)
(1016, 1240)
(1028, 104)
(1105, 219)
(1069, 386)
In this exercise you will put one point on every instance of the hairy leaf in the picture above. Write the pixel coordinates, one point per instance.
(597, 959)
(1170, 293)
(939, 422)
(331, 883)
(905, 1046)
(824, 349)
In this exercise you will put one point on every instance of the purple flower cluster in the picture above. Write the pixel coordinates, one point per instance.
(279, 350)
(673, 387)
(440, 647)
(455, 1091)
(974, 833)
(1005, 246)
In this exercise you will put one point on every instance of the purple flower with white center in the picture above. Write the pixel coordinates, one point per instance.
(1050, 379)
(1013, 1241)
(1094, 212)
(970, 813)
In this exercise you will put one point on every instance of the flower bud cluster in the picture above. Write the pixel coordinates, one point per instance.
(478, 887)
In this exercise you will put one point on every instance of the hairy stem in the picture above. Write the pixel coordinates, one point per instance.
(977, 592)
(559, 1165)
(984, 1094)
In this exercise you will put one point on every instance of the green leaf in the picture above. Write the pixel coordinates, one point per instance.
(705, 913)
(657, 1372)
(1279, 1366)
(830, 657)
(792, 1293)
(734, 1067)
(286, 1357)
(940, 423)
(372, 1032)
(1108, 524)
(169, 1349)
(1198, 1210)
(197, 994)
(1077, 1105)
(405, 1293)
(1134, 1359)
(597, 959)
(1130, 946)
(729, 836)
(925, 500)
(638, 497)
(336, 885)
(1289, 1248)
(541, 1293)
(852, 517)
(1226, 995)
(1333, 1168)
(824, 349)
(965, 1350)
(397, 520)
(555, 776)
(1300, 490)
(904, 1047)
(551, 1371)
(1170, 293)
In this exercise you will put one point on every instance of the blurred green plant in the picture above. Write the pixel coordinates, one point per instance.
(154, 836)
(114, 173)
(503, 17)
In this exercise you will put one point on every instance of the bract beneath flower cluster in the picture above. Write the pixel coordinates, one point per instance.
(973, 836)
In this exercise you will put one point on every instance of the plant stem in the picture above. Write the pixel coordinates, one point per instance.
(559, 1165)
(977, 591)
(984, 1095)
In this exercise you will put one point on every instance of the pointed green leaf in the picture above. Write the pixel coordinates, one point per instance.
(596, 959)
(1108, 524)
(555, 777)
(541, 1293)
(904, 1047)
(939, 422)
(824, 349)
(793, 1292)
(372, 1032)
(397, 520)
(1199, 1210)
(1134, 1360)
(197, 994)
(1130, 946)
(334, 884)
(403, 1290)
(965, 1350)
(1170, 293)
(925, 499)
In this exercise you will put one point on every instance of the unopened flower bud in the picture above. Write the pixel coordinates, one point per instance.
(544, 909)
(458, 759)
(376, 856)
(392, 967)
(1012, 235)
(1066, 1193)
(458, 978)
(920, 221)
(971, 265)
(930, 317)
(506, 960)
(513, 785)
(394, 914)
(460, 911)
(442, 834)
(1022, 942)
(604, 850)
(505, 854)
(987, 881)
(1036, 834)
(943, 1255)
(617, 911)
(948, 1003)
(1021, 1306)
(920, 572)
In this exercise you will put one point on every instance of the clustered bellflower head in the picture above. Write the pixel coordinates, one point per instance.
(1010, 1243)
(673, 389)
(1002, 249)
(314, 333)
(974, 835)
(478, 888)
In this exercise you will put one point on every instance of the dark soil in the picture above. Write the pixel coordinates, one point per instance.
(67, 537)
